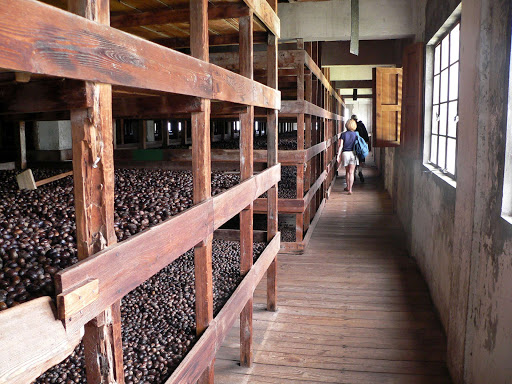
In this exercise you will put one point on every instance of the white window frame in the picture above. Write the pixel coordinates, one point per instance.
(506, 205)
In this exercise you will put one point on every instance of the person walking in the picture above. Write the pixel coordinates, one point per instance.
(349, 158)
(363, 132)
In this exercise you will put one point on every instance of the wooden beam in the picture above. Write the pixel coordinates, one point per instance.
(272, 131)
(205, 349)
(263, 11)
(113, 57)
(93, 170)
(352, 84)
(32, 340)
(43, 96)
(22, 145)
(174, 16)
(214, 40)
(154, 107)
(246, 171)
(150, 251)
(234, 235)
(201, 172)
(371, 52)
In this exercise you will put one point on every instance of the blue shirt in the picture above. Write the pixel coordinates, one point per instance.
(349, 140)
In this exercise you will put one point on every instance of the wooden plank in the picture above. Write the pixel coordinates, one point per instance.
(9, 166)
(197, 359)
(315, 150)
(234, 235)
(26, 180)
(284, 205)
(93, 170)
(229, 203)
(177, 15)
(411, 134)
(43, 96)
(263, 11)
(53, 178)
(32, 340)
(359, 84)
(246, 172)
(129, 60)
(73, 301)
(272, 159)
(142, 254)
(21, 142)
(154, 107)
(201, 171)
(315, 187)
(213, 40)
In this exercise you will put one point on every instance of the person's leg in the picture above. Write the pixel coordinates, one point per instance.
(347, 177)
(360, 173)
(350, 176)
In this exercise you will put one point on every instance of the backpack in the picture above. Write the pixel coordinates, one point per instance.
(361, 147)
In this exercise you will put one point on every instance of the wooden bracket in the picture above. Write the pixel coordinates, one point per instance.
(77, 298)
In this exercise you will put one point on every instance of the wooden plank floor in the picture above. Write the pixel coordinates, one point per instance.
(352, 309)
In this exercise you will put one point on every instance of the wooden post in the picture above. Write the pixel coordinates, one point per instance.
(22, 145)
(114, 131)
(201, 170)
(272, 126)
(121, 130)
(143, 134)
(246, 171)
(299, 217)
(165, 133)
(307, 141)
(93, 166)
(184, 129)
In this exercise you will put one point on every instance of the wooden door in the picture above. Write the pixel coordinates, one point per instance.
(387, 106)
(412, 109)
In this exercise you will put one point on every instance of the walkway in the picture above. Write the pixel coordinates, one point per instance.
(352, 309)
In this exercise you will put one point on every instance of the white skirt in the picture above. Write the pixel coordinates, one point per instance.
(349, 157)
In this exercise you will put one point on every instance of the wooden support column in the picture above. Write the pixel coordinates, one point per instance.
(143, 134)
(299, 217)
(272, 127)
(307, 141)
(121, 130)
(201, 171)
(22, 146)
(184, 132)
(246, 171)
(165, 133)
(93, 175)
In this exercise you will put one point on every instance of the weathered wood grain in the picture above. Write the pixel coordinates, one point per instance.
(38, 38)
(197, 359)
(32, 341)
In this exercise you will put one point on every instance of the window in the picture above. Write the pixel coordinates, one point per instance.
(445, 103)
(506, 209)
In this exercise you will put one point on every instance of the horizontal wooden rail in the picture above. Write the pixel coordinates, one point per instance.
(230, 60)
(264, 12)
(315, 150)
(39, 38)
(32, 341)
(286, 157)
(122, 267)
(234, 235)
(205, 349)
(310, 63)
(283, 205)
(311, 193)
(295, 107)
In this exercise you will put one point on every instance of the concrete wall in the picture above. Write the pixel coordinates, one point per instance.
(53, 135)
(457, 235)
(330, 20)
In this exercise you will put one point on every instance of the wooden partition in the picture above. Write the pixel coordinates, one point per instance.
(103, 74)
